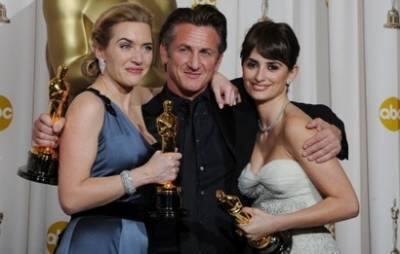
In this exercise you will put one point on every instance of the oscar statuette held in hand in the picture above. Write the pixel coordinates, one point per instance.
(279, 243)
(42, 166)
(168, 196)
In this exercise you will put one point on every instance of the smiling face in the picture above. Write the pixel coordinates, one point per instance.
(129, 53)
(191, 59)
(264, 78)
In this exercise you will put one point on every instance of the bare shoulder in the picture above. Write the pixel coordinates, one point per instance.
(87, 108)
(294, 128)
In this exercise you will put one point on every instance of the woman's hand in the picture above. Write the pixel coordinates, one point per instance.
(260, 225)
(225, 92)
(162, 167)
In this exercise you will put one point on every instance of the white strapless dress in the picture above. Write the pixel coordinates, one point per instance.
(280, 187)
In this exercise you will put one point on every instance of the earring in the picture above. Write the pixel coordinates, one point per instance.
(102, 64)
(288, 82)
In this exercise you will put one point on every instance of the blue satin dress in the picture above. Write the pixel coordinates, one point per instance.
(117, 227)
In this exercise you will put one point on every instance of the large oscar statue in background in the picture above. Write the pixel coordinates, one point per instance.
(69, 23)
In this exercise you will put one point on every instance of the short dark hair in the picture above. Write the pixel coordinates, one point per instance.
(275, 41)
(201, 15)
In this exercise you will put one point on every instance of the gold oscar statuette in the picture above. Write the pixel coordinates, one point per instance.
(393, 18)
(3, 14)
(42, 166)
(168, 197)
(279, 243)
(394, 210)
(199, 2)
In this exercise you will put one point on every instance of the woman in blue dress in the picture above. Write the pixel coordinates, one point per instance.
(105, 155)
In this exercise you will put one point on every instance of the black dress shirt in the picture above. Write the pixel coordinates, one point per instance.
(208, 164)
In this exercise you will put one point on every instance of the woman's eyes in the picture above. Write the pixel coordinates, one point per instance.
(251, 65)
(148, 48)
(272, 66)
(125, 46)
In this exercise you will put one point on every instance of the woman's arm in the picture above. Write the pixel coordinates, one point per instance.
(339, 199)
(79, 191)
(78, 148)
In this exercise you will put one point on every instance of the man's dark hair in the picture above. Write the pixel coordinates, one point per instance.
(201, 15)
(275, 41)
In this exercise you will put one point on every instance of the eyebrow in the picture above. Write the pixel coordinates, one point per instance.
(274, 62)
(130, 41)
(187, 46)
(125, 39)
(252, 60)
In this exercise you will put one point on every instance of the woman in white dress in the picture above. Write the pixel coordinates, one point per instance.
(291, 193)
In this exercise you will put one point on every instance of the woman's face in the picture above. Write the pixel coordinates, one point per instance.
(129, 53)
(264, 78)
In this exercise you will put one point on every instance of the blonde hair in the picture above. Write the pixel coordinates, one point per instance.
(125, 12)
(102, 31)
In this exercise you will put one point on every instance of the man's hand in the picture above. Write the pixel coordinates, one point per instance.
(45, 132)
(324, 145)
(225, 92)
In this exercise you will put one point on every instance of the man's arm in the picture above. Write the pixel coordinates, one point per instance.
(328, 142)
(45, 132)
(325, 113)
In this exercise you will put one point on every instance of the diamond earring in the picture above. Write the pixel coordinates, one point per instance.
(102, 64)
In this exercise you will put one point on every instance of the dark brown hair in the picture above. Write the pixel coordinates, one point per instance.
(275, 41)
(201, 15)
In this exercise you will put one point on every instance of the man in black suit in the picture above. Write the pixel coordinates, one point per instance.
(215, 143)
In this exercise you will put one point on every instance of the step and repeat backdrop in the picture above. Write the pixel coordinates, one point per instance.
(349, 60)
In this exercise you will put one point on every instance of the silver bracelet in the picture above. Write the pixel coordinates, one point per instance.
(127, 182)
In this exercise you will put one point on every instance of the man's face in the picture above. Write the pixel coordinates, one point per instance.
(192, 59)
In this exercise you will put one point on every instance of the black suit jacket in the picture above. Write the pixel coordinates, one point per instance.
(227, 241)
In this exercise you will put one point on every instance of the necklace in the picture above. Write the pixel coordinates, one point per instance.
(267, 128)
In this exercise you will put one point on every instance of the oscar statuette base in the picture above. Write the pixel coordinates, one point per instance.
(41, 168)
(168, 203)
(280, 243)
(164, 222)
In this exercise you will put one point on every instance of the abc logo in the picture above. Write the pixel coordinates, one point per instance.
(389, 113)
(53, 233)
(6, 112)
